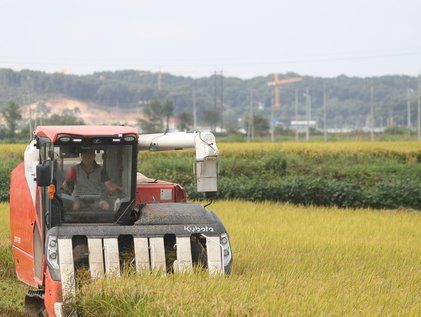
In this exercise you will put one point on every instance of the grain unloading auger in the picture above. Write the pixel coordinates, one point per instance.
(77, 202)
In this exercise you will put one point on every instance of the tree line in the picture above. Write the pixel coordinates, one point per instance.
(348, 97)
(12, 129)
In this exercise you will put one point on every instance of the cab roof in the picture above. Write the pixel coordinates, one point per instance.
(52, 132)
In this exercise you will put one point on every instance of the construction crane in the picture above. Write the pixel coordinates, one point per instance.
(277, 83)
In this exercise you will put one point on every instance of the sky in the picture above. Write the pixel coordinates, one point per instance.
(196, 38)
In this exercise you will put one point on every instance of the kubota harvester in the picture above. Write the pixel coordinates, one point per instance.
(78, 202)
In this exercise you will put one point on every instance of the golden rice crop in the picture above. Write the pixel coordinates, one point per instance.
(407, 151)
(311, 148)
(12, 292)
(325, 147)
(12, 150)
(288, 260)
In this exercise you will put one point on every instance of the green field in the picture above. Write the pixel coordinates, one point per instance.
(345, 174)
(288, 260)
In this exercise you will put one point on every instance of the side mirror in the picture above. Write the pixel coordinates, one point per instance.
(43, 175)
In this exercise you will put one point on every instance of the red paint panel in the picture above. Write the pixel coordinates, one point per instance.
(24, 265)
(180, 194)
(151, 192)
(51, 132)
(22, 222)
(52, 293)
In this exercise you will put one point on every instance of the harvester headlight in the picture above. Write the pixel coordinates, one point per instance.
(52, 252)
(226, 249)
(64, 138)
(129, 138)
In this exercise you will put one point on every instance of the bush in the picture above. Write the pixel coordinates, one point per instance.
(394, 129)
(300, 175)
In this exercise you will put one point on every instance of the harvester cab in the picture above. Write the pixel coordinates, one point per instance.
(78, 202)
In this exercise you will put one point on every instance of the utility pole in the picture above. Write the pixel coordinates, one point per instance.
(372, 114)
(249, 118)
(159, 80)
(30, 123)
(419, 109)
(194, 108)
(222, 99)
(40, 117)
(252, 120)
(272, 122)
(324, 113)
(296, 113)
(277, 83)
(308, 113)
(214, 93)
(408, 108)
(250, 126)
(28, 103)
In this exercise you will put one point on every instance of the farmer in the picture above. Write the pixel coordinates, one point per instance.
(89, 178)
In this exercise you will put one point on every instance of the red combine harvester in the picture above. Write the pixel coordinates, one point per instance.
(77, 201)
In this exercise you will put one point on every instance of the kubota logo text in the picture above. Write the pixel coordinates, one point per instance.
(193, 229)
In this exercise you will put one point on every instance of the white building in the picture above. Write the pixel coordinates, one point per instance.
(302, 125)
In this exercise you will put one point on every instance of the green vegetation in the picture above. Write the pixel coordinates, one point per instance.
(11, 116)
(12, 292)
(377, 175)
(157, 116)
(348, 102)
(288, 260)
(335, 174)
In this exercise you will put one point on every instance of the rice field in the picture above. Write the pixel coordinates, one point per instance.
(288, 260)
(344, 148)
(310, 148)
(11, 291)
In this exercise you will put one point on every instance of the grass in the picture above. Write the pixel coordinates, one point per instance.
(12, 292)
(288, 260)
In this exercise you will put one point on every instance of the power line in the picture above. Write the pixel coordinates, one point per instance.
(204, 62)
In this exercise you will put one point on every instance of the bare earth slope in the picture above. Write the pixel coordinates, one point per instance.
(89, 112)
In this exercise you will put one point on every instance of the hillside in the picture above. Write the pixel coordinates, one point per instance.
(348, 101)
(88, 112)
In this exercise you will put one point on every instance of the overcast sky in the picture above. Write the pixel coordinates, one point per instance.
(193, 37)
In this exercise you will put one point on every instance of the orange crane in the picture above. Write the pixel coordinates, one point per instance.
(277, 83)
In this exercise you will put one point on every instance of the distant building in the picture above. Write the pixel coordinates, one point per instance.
(302, 125)
(340, 130)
